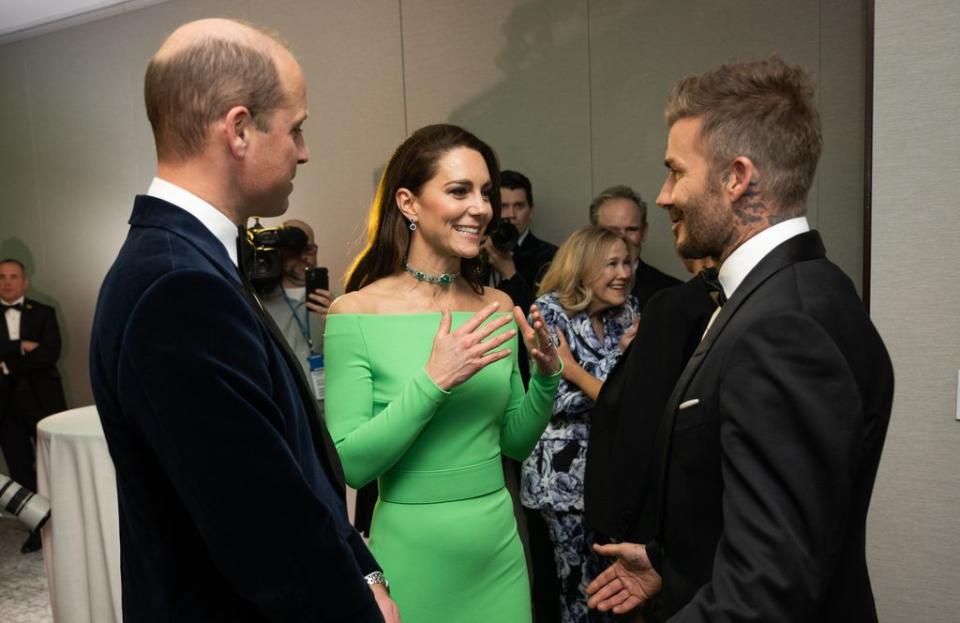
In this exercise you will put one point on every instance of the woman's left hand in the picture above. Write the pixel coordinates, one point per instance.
(538, 341)
(628, 335)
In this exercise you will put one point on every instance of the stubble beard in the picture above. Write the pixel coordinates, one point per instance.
(709, 229)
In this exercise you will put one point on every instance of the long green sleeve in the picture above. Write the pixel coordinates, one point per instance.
(370, 443)
(386, 415)
(528, 414)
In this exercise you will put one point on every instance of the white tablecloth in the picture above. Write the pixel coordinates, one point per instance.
(81, 542)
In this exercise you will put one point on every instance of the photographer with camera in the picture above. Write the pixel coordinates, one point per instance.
(284, 295)
(528, 255)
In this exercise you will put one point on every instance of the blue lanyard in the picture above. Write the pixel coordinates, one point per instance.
(305, 324)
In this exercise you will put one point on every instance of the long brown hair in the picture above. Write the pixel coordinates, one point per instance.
(412, 165)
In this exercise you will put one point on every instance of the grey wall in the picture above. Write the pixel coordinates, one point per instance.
(568, 91)
(914, 549)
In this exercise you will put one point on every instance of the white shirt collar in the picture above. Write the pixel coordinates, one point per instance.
(523, 237)
(19, 300)
(213, 219)
(745, 258)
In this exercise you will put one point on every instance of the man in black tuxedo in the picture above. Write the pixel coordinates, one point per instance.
(771, 438)
(621, 209)
(30, 387)
(231, 495)
(627, 415)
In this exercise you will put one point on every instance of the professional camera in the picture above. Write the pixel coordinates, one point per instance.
(504, 235)
(272, 245)
(32, 509)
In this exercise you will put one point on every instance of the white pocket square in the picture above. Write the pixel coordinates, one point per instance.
(686, 404)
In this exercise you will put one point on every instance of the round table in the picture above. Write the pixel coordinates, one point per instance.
(81, 541)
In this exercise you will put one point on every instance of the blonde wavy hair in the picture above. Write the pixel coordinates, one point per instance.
(579, 261)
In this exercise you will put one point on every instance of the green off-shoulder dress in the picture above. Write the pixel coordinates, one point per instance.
(443, 529)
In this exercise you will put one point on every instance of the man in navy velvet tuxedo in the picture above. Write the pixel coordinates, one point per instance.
(231, 494)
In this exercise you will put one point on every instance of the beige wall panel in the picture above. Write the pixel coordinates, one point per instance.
(516, 74)
(842, 92)
(21, 231)
(351, 57)
(914, 548)
(83, 131)
(638, 50)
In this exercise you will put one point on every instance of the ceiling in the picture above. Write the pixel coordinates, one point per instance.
(24, 18)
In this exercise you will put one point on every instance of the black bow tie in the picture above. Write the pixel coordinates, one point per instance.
(16, 306)
(712, 279)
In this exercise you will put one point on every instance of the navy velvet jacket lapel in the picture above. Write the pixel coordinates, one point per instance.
(152, 212)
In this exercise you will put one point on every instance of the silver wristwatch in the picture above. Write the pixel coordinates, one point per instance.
(377, 578)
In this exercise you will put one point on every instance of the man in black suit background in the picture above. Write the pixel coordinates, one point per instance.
(772, 436)
(231, 493)
(30, 387)
(531, 255)
(621, 209)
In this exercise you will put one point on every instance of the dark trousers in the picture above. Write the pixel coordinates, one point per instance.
(545, 593)
(20, 410)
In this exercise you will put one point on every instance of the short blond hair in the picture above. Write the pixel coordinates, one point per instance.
(188, 90)
(579, 260)
(763, 110)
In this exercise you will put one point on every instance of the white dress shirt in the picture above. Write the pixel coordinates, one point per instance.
(746, 257)
(213, 219)
(12, 317)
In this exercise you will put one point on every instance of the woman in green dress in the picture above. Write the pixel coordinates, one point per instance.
(423, 389)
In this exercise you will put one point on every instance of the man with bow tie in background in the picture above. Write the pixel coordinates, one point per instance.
(30, 387)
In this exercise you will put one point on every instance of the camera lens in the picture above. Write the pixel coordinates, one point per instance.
(504, 236)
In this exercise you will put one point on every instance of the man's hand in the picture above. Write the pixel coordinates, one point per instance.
(27, 346)
(627, 583)
(319, 301)
(500, 261)
(388, 607)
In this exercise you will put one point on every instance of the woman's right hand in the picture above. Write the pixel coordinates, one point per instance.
(458, 355)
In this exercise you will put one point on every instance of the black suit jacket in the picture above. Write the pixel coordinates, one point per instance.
(647, 281)
(620, 461)
(770, 447)
(231, 505)
(38, 368)
(531, 259)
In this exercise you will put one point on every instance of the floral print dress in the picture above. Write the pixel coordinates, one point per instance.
(552, 477)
